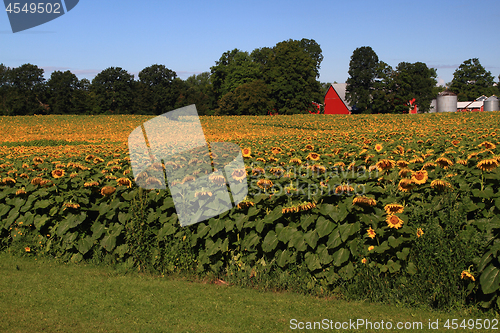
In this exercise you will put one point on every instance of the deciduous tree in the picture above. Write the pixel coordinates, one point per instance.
(113, 88)
(363, 69)
(471, 80)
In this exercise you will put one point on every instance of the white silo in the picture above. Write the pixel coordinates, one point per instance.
(491, 104)
(446, 102)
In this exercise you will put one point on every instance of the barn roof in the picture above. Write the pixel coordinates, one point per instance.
(340, 88)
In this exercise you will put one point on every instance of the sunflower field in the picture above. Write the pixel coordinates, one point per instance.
(371, 206)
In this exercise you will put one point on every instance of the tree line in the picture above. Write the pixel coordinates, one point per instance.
(375, 87)
(282, 79)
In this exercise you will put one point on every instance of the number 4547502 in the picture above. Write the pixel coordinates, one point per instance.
(33, 8)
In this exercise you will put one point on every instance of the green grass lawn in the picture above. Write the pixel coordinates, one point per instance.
(42, 295)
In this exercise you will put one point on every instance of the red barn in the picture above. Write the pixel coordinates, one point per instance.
(335, 101)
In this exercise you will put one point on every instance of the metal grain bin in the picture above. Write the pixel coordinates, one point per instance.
(446, 102)
(491, 104)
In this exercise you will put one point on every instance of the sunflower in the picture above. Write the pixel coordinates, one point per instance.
(260, 159)
(444, 162)
(344, 188)
(378, 147)
(419, 232)
(247, 152)
(463, 162)
(89, 158)
(417, 160)
(371, 233)
(239, 175)
(58, 173)
(306, 206)
(276, 150)
(264, 184)
(20, 192)
(124, 182)
(216, 179)
(364, 261)
(467, 275)
(405, 172)
(153, 181)
(309, 147)
(91, 184)
(394, 208)
(420, 177)
(405, 185)
(290, 209)
(318, 168)
(439, 184)
(428, 165)
(364, 201)
(385, 164)
(258, 171)
(402, 164)
(371, 248)
(393, 221)
(487, 145)
(488, 164)
(37, 160)
(296, 161)
(245, 203)
(8, 181)
(71, 205)
(203, 194)
(313, 157)
(107, 190)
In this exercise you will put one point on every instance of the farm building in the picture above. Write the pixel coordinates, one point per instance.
(335, 102)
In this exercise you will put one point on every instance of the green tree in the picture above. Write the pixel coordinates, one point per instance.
(248, 99)
(26, 90)
(61, 88)
(314, 50)
(471, 80)
(199, 91)
(413, 81)
(113, 89)
(363, 70)
(382, 97)
(156, 84)
(233, 69)
(291, 77)
(4, 88)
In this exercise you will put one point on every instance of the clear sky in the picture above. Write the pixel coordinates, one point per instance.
(189, 36)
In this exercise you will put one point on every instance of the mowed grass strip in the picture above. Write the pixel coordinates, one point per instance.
(43, 295)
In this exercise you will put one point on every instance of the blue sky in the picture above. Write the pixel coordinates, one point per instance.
(189, 36)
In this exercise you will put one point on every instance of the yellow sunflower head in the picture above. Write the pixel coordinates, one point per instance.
(264, 184)
(108, 190)
(488, 164)
(405, 185)
(247, 152)
(371, 233)
(313, 157)
(394, 221)
(394, 208)
(58, 173)
(420, 177)
(444, 162)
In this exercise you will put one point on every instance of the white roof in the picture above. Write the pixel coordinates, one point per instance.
(340, 88)
(470, 105)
